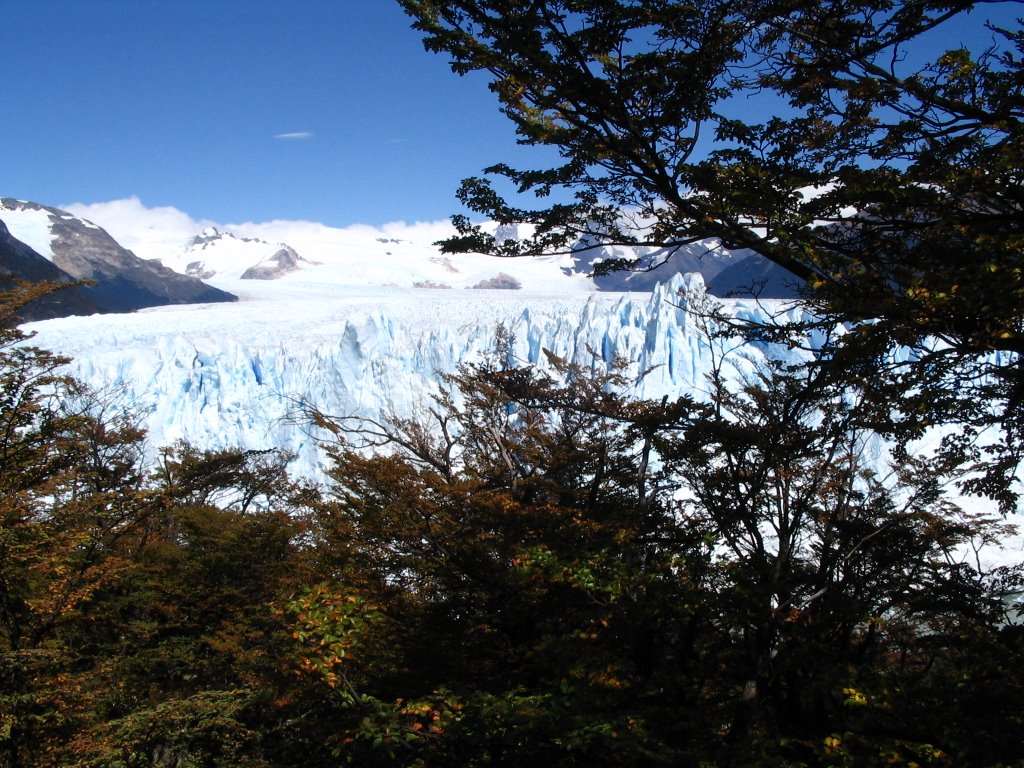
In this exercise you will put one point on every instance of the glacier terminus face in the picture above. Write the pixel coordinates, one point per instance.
(235, 375)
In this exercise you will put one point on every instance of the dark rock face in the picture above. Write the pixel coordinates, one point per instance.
(281, 263)
(212, 235)
(199, 271)
(19, 263)
(122, 281)
(501, 280)
(755, 277)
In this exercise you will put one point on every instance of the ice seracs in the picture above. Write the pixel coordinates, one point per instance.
(231, 375)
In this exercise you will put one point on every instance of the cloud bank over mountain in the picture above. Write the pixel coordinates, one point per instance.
(156, 232)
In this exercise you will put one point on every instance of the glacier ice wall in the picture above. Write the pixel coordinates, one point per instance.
(233, 375)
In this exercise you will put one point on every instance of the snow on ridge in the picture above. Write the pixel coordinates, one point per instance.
(32, 227)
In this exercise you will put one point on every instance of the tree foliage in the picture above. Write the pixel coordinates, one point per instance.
(732, 583)
(837, 139)
(541, 570)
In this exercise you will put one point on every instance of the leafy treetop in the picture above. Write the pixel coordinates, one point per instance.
(882, 170)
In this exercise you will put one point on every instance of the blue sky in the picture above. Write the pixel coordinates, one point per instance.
(235, 110)
(242, 110)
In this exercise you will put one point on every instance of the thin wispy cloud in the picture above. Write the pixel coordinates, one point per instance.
(294, 135)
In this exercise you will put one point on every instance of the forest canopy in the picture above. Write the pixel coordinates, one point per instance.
(541, 569)
(840, 140)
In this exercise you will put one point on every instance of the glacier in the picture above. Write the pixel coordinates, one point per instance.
(234, 375)
(352, 336)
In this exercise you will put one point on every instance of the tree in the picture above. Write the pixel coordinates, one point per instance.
(180, 657)
(70, 476)
(833, 559)
(521, 549)
(136, 625)
(567, 576)
(883, 173)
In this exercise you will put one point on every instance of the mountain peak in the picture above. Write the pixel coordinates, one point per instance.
(81, 250)
(215, 253)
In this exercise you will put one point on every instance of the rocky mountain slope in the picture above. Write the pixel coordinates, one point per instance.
(742, 274)
(19, 263)
(80, 250)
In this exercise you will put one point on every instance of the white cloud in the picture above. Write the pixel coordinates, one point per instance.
(152, 233)
(164, 231)
(321, 242)
(285, 230)
(295, 135)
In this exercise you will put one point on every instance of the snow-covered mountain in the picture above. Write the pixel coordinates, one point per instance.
(213, 252)
(81, 250)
